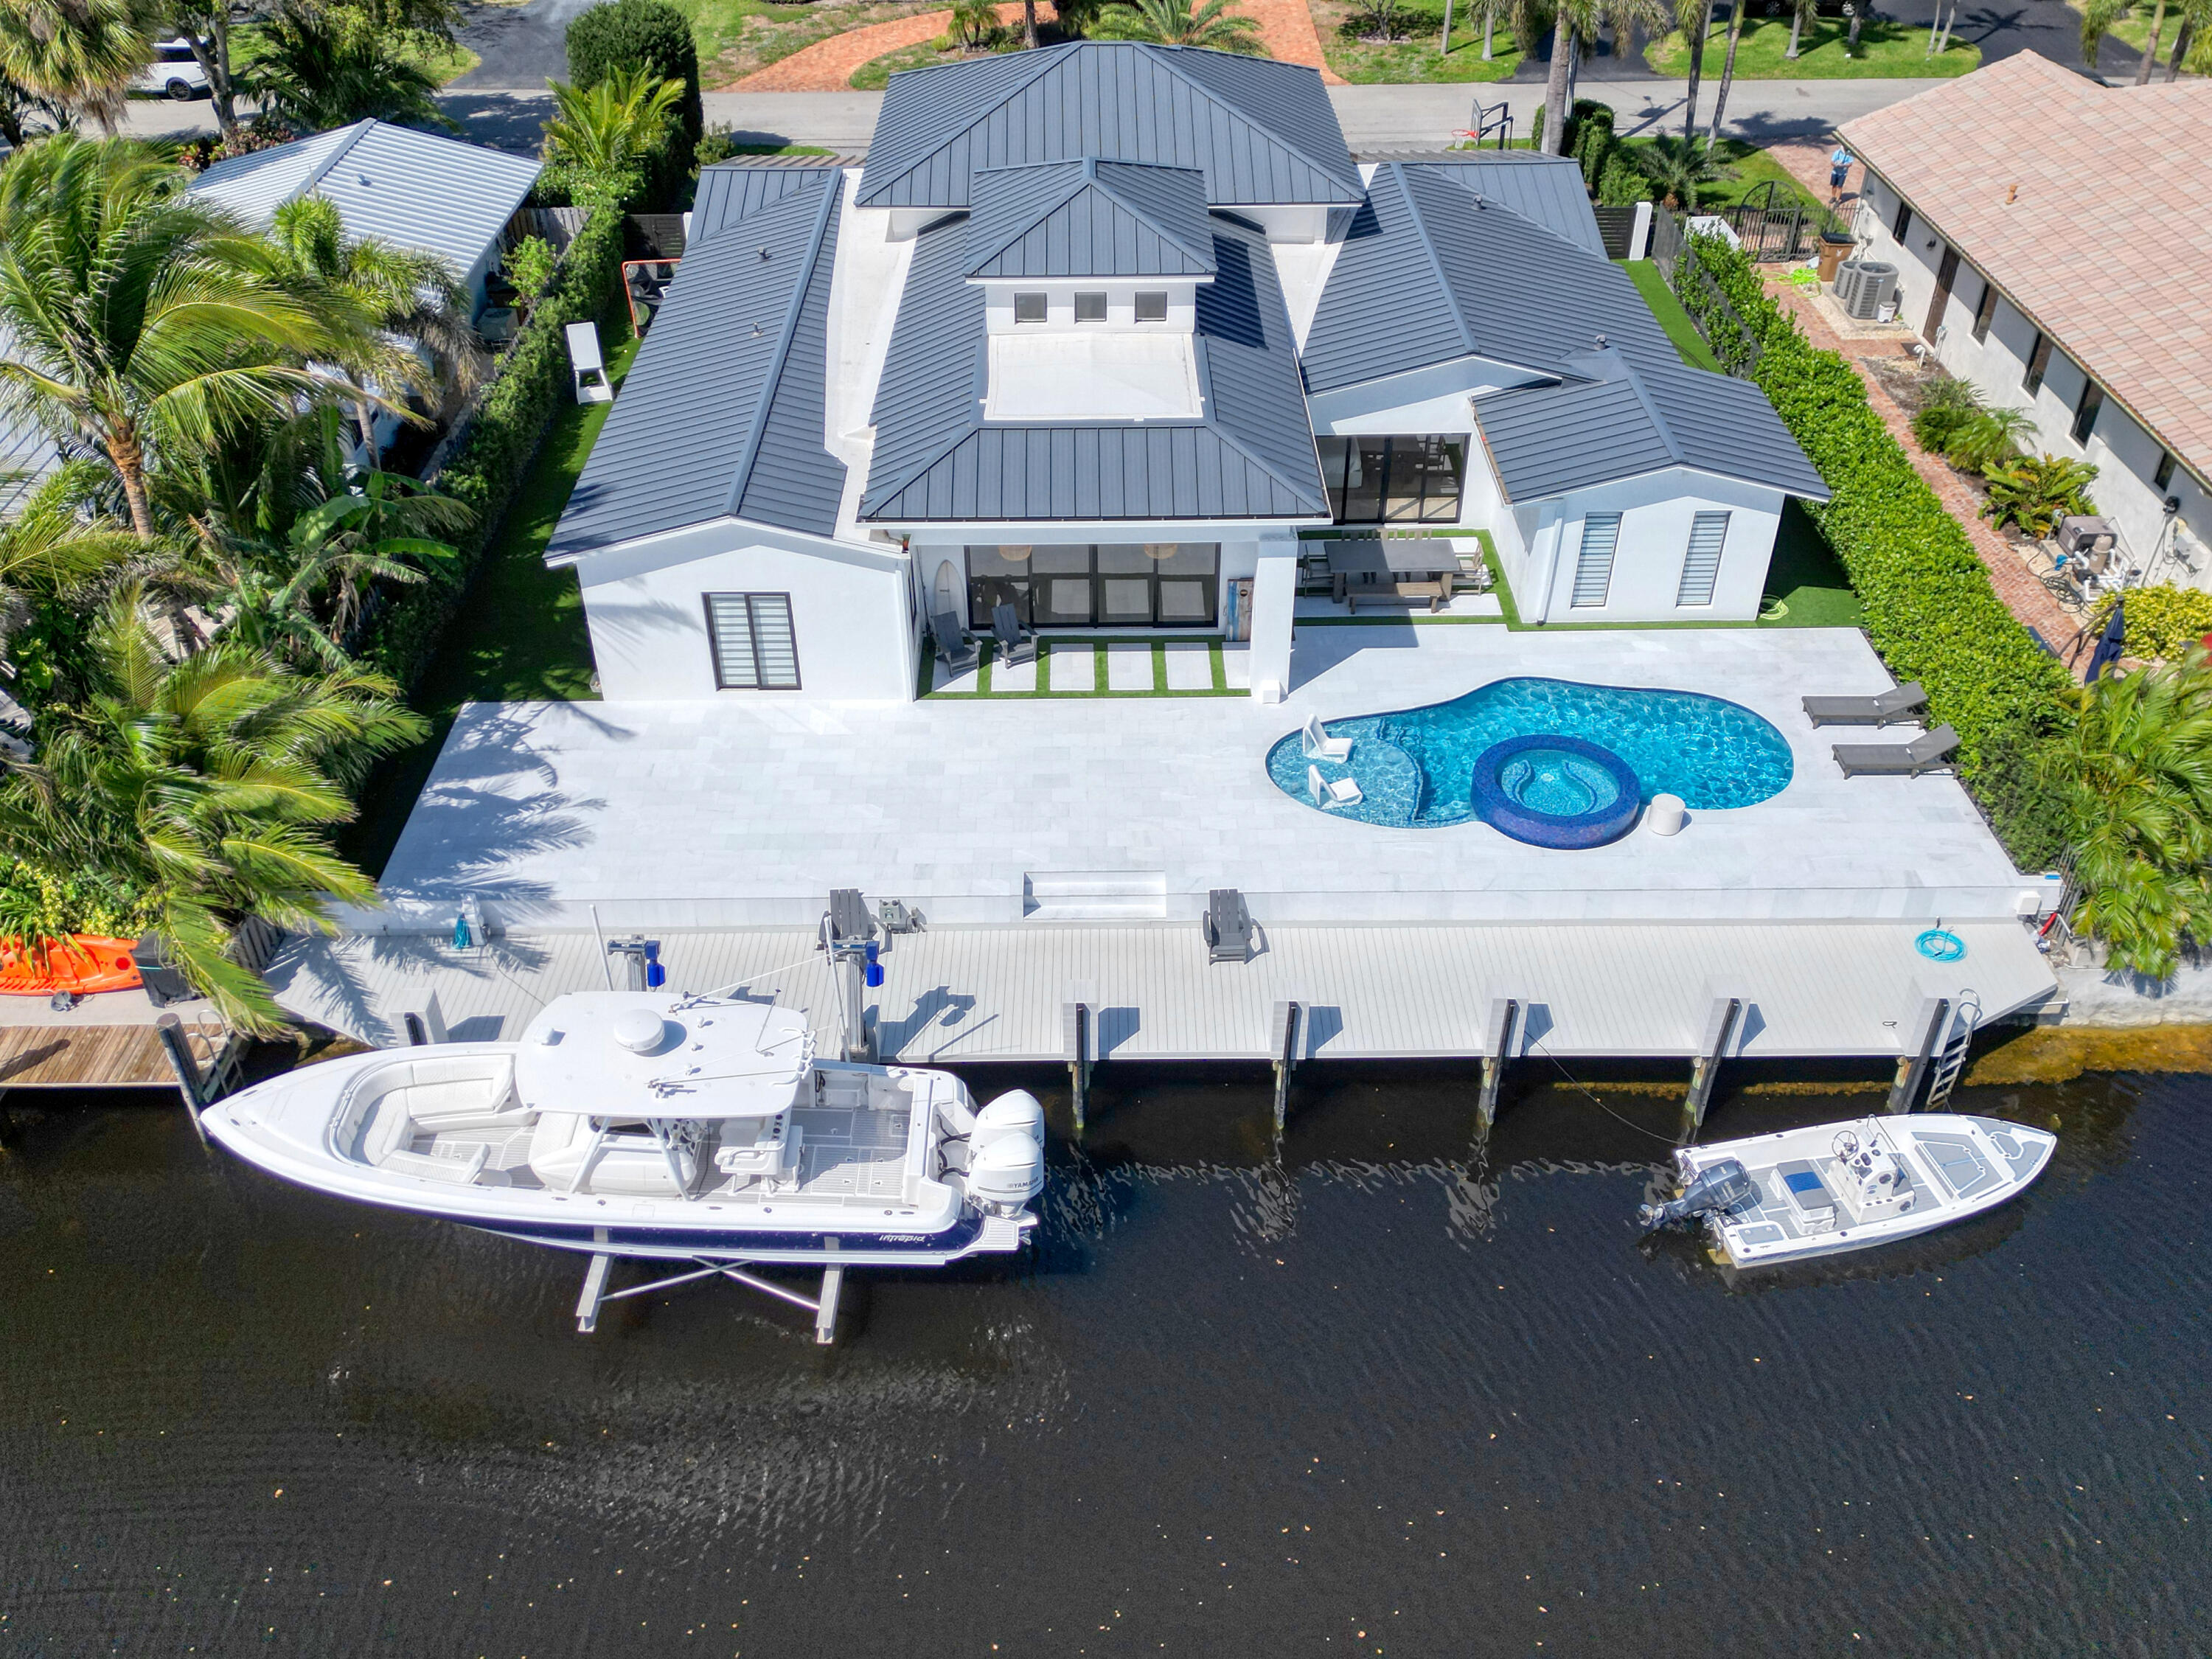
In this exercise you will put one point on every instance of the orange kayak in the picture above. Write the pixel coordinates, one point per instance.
(82, 962)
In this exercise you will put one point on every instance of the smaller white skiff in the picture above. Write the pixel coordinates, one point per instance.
(1838, 1187)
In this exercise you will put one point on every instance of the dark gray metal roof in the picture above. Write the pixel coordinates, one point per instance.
(1261, 132)
(1431, 273)
(1544, 189)
(731, 190)
(1089, 218)
(1251, 455)
(722, 413)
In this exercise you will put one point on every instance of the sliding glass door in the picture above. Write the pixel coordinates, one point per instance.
(1087, 584)
(1393, 480)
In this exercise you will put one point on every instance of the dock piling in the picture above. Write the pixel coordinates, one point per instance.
(1283, 1045)
(1497, 1040)
(187, 1069)
(1928, 1022)
(1075, 1025)
(1720, 1027)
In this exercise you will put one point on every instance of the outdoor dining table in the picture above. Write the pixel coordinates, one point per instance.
(1370, 560)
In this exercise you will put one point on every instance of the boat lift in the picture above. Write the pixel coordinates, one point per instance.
(824, 1307)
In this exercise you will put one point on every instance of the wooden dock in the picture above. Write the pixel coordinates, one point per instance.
(97, 1055)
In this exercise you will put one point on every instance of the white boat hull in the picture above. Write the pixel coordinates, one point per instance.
(1953, 1166)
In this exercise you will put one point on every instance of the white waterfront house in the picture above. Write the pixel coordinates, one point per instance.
(1102, 331)
(2047, 248)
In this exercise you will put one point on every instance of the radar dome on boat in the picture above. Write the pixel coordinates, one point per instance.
(1014, 1113)
(639, 1030)
(1010, 1170)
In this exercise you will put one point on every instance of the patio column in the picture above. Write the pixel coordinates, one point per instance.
(1274, 603)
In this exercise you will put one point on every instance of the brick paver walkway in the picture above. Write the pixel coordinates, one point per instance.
(2024, 595)
(1286, 27)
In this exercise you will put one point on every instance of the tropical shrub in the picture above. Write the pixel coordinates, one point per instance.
(641, 36)
(2136, 769)
(1623, 184)
(39, 904)
(1988, 438)
(328, 66)
(1951, 403)
(2037, 491)
(488, 463)
(1593, 138)
(1930, 610)
(531, 269)
(1180, 23)
(2162, 622)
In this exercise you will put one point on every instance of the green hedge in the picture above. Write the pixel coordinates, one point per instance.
(487, 464)
(1930, 610)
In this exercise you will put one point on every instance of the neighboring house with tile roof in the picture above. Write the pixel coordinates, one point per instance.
(2051, 250)
(1101, 331)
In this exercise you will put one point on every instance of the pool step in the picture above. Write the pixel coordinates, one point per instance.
(1094, 896)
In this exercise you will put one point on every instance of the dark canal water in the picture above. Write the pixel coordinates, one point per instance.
(1381, 1398)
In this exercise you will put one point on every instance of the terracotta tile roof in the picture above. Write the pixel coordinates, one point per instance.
(2080, 202)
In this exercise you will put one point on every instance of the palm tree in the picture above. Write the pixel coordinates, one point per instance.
(2150, 48)
(81, 54)
(1803, 12)
(208, 782)
(1177, 23)
(1681, 167)
(1572, 22)
(20, 107)
(1727, 75)
(2136, 769)
(325, 67)
(1694, 18)
(618, 122)
(56, 547)
(405, 293)
(143, 322)
(2098, 17)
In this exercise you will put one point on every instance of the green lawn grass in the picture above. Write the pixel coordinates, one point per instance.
(1668, 309)
(518, 636)
(1886, 49)
(1806, 579)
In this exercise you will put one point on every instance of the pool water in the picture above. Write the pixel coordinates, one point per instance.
(1414, 766)
(1551, 780)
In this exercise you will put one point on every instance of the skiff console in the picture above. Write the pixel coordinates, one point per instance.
(647, 1124)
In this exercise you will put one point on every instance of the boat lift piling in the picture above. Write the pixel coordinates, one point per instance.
(824, 1307)
(848, 935)
(1282, 1046)
(1496, 1043)
(1929, 1021)
(1077, 1019)
(1720, 1029)
(171, 1030)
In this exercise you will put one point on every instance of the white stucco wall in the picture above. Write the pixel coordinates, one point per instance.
(2125, 455)
(1538, 542)
(851, 613)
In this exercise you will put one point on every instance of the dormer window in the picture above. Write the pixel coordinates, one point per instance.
(1152, 306)
(1090, 307)
(1030, 308)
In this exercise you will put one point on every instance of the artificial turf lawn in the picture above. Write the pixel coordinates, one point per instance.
(1668, 309)
(518, 636)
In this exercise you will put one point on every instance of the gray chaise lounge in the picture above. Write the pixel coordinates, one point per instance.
(1908, 760)
(1900, 703)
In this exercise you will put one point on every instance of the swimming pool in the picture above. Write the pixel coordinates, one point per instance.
(1414, 767)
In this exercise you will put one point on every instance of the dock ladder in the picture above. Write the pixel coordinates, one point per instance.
(1953, 1064)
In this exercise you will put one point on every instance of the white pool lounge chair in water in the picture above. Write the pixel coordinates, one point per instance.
(1319, 745)
(1331, 792)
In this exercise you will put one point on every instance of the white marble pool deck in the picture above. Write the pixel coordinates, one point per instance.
(746, 812)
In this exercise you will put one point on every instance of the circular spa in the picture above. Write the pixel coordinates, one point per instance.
(1552, 791)
(1574, 750)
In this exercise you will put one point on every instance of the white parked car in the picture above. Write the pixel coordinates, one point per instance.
(174, 72)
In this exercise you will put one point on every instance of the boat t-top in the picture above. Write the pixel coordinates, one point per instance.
(648, 1124)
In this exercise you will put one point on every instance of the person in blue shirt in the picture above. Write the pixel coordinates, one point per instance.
(1840, 168)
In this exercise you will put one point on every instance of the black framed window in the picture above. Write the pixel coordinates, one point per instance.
(755, 648)
(2085, 411)
(1090, 307)
(1152, 307)
(1029, 307)
(1903, 223)
(1986, 311)
(1096, 585)
(2038, 360)
(2164, 476)
(1389, 480)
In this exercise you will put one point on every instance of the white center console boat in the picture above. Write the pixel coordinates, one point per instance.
(644, 1124)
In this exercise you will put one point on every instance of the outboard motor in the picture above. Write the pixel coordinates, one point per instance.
(1716, 1191)
(1014, 1113)
(1008, 1172)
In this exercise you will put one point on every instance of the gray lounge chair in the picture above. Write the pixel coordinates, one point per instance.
(952, 643)
(1900, 703)
(1907, 760)
(1016, 643)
